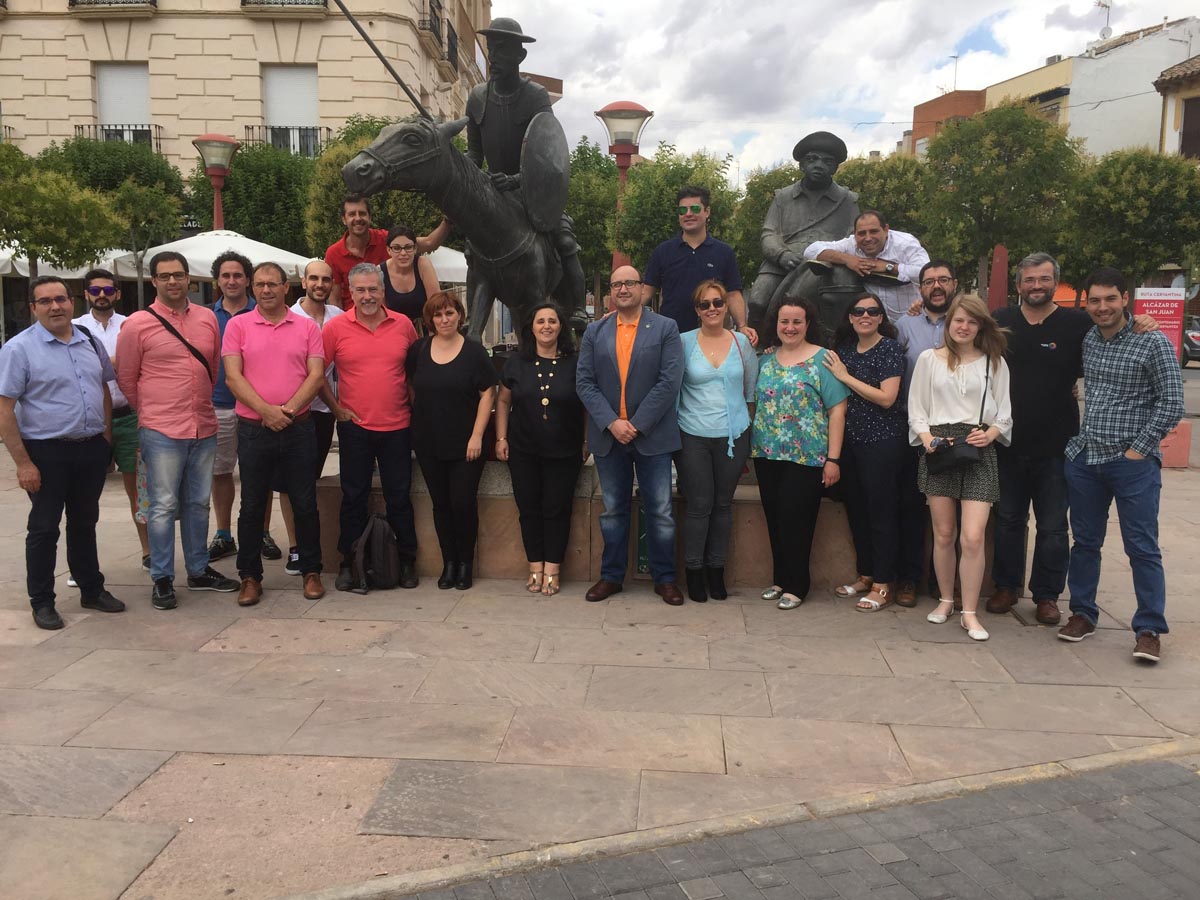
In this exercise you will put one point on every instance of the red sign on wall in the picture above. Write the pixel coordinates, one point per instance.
(1165, 305)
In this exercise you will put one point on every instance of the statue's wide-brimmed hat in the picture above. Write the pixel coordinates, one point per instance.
(506, 28)
(823, 142)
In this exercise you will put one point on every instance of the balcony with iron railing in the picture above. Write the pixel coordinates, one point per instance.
(302, 140)
(130, 134)
(430, 25)
(109, 7)
(277, 8)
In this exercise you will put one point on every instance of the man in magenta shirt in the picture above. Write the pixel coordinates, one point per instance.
(274, 365)
(369, 346)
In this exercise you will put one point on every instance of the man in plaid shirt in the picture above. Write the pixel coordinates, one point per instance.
(1134, 396)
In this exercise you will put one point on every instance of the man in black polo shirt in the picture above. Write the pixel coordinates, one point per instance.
(679, 264)
(1045, 358)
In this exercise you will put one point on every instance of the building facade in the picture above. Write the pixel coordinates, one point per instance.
(1179, 131)
(929, 117)
(287, 72)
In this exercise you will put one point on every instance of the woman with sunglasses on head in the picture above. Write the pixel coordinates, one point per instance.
(409, 278)
(540, 433)
(870, 362)
(959, 395)
(796, 444)
(719, 375)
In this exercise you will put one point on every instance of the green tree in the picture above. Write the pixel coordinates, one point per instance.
(648, 212)
(265, 196)
(1134, 210)
(592, 204)
(151, 216)
(745, 231)
(898, 186)
(107, 165)
(1004, 176)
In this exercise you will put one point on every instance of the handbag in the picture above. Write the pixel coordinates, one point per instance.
(950, 454)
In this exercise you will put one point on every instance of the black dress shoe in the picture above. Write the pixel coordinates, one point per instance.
(345, 578)
(446, 579)
(670, 593)
(408, 576)
(696, 587)
(47, 617)
(602, 590)
(462, 576)
(104, 602)
(716, 582)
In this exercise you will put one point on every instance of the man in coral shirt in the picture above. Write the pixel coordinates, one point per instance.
(168, 378)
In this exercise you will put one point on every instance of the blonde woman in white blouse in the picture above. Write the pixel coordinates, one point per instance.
(949, 386)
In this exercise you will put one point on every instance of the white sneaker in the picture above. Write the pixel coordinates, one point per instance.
(71, 581)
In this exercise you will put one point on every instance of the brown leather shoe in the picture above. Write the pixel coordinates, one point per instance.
(1147, 647)
(251, 592)
(906, 594)
(1002, 601)
(670, 593)
(1047, 612)
(313, 588)
(1076, 629)
(602, 590)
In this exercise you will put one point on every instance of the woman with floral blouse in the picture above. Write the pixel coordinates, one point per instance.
(799, 422)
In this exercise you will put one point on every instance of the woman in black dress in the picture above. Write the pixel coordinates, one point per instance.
(452, 384)
(539, 431)
(409, 278)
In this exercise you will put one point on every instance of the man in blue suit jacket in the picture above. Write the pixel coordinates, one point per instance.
(629, 373)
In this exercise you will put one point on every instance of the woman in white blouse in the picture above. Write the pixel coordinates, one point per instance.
(950, 386)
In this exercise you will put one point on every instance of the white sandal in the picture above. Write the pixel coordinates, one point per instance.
(939, 618)
(975, 634)
(885, 599)
(853, 590)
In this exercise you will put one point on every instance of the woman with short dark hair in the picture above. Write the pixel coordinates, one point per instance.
(409, 278)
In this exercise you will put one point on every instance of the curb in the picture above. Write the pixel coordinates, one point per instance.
(396, 886)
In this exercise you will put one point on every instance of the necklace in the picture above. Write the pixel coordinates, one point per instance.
(544, 376)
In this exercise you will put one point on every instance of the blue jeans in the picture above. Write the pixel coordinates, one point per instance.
(616, 484)
(179, 481)
(1135, 485)
(1040, 480)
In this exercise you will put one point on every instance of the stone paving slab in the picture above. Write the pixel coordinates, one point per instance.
(504, 682)
(911, 701)
(153, 672)
(303, 636)
(385, 606)
(934, 753)
(28, 666)
(1081, 710)
(36, 717)
(431, 641)
(530, 804)
(819, 655)
(70, 781)
(331, 677)
(822, 752)
(623, 648)
(684, 691)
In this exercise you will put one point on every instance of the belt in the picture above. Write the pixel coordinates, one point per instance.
(257, 423)
(122, 412)
(63, 440)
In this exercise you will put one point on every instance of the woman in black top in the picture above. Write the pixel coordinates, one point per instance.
(871, 363)
(452, 384)
(539, 430)
(409, 278)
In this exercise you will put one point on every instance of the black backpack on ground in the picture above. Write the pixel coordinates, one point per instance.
(376, 556)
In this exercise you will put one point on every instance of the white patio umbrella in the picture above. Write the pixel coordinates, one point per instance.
(15, 265)
(201, 249)
(450, 265)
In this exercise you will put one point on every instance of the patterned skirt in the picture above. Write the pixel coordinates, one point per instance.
(976, 481)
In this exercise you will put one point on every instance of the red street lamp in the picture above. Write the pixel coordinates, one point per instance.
(216, 150)
(624, 121)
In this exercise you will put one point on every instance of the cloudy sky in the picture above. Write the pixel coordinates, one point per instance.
(750, 77)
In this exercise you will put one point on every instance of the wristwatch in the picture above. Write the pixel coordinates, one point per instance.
(890, 268)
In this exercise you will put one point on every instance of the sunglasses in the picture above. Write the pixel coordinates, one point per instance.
(706, 305)
(872, 311)
(695, 209)
(106, 291)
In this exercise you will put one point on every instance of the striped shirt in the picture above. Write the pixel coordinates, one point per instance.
(1133, 395)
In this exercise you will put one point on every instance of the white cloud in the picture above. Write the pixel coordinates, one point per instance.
(773, 70)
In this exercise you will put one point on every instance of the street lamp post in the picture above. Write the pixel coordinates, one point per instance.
(624, 121)
(216, 150)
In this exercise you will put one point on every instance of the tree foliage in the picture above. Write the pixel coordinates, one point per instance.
(1134, 210)
(1003, 176)
(592, 204)
(648, 213)
(745, 231)
(264, 197)
(107, 165)
(898, 186)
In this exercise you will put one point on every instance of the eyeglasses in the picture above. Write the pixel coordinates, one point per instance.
(859, 311)
(629, 285)
(694, 209)
(171, 276)
(61, 300)
(942, 281)
(260, 285)
(96, 291)
(1037, 279)
(363, 291)
(715, 303)
(403, 248)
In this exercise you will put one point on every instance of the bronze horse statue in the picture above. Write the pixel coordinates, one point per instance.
(508, 259)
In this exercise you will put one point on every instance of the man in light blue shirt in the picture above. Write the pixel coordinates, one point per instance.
(56, 421)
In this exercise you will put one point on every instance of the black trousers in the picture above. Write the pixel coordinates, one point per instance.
(324, 423)
(544, 488)
(453, 485)
(914, 513)
(358, 451)
(709, 476)
(791, 500)
(872, 477)
(287, 457)
(72, 479)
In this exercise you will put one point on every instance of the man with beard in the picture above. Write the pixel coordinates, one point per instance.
(916, 334)
(1045, 358)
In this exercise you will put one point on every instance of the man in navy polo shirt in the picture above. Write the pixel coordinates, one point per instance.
(679, 264)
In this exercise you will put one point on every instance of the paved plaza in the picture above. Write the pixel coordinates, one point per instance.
(214, 751)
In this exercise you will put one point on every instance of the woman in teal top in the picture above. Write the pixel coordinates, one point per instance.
(799, 422)
(719, 374)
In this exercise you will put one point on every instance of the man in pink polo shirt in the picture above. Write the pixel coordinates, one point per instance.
(274, 365)
(369, 346)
